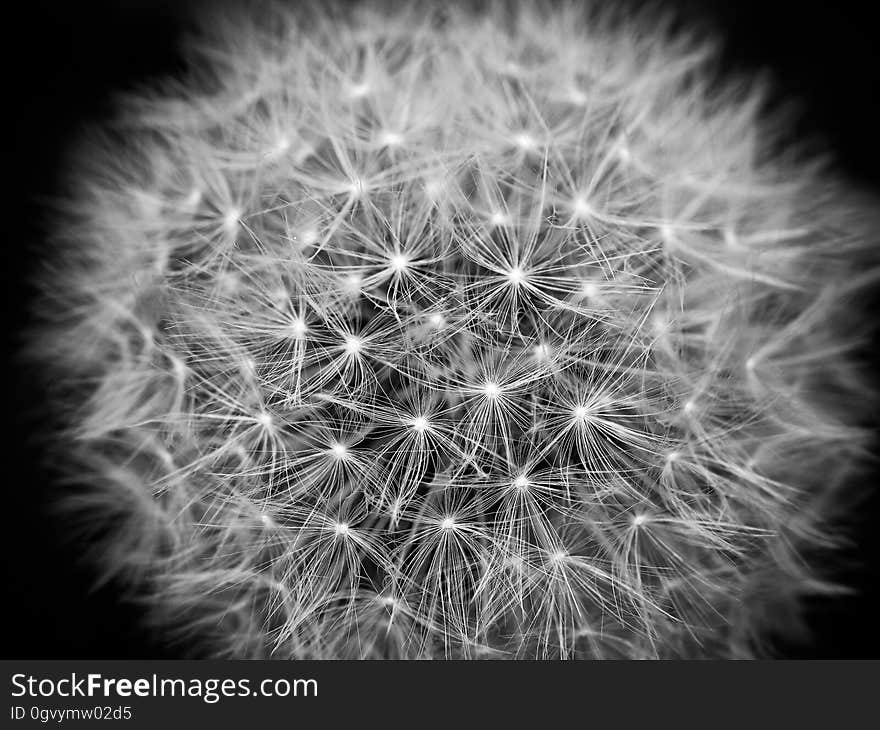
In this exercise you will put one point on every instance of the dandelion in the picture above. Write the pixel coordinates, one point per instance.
(432, 334)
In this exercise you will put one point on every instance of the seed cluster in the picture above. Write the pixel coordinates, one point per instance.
(452, 335)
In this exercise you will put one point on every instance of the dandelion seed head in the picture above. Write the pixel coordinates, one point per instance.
(525, 142)
(515, 276)
(281, 147)
(359, 90)
(435, 189)
(581, 207)
(394, 510)
(558, 556)
(353, 345)
(542, 352)
(498, 219)
(231, 220)
(436, 320)
(298, 328)
(308, 237)
(471, 313)
(390, 139)
(339, 451)
(398, 263)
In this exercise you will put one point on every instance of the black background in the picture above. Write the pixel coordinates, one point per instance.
(68, 57)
